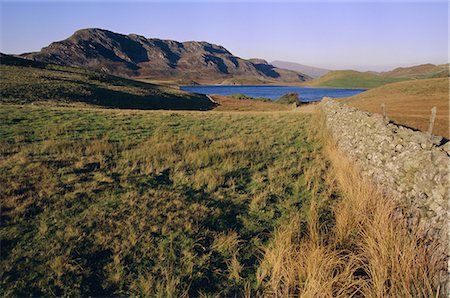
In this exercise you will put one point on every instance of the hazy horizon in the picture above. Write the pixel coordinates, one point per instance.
(348, 35)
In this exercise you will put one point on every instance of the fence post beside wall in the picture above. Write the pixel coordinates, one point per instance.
(432, 119)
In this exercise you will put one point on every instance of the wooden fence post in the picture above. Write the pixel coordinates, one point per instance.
(383, 110)
(432, 119)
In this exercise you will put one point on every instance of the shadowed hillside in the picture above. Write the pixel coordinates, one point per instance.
(25, 81)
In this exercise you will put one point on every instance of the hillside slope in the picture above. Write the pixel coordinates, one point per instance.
(409, 103)
(25, 81)
(352, 79)
(311, 71)
(423, 71)
(136, 56)
(357, 79)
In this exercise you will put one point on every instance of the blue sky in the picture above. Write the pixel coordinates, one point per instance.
(339, 35)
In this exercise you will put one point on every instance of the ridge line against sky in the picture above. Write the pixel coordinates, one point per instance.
(337, 35)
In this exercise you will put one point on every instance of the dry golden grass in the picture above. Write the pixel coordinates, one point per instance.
(409, 103)
(420, 71)
(231, 104)
(369, 252)
(391, 255)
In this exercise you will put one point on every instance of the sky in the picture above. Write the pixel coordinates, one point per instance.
(361, 35)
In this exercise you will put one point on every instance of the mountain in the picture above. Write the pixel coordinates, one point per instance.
(136, 56)
(25, 81)
(313, 72)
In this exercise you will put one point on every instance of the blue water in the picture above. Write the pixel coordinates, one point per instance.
(274, 92)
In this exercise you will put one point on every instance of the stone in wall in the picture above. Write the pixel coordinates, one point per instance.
(409, 165)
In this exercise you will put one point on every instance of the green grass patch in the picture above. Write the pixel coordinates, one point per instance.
(352, 79)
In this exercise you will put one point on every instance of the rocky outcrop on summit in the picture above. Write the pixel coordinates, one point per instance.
(136, 56)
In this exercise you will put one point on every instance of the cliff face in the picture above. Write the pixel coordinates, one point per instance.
(137, 56)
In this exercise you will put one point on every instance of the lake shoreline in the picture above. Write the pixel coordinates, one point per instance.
(273, 92)
(271, 85)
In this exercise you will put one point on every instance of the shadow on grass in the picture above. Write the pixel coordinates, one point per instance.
(88, 89)
(123, 100)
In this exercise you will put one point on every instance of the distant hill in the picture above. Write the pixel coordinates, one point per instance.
(409, 103)
(313, 72)
(25, 81)
(423, 71)
(369, 79)
(137, 56)
(352, 79)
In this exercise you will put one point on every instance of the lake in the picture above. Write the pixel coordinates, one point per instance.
(274, 92)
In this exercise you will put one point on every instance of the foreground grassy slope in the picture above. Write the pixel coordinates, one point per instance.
(352, 79)
(409, 103)
(24, 81)
(102, 202)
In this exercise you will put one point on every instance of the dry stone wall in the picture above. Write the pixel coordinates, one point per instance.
(409, 165)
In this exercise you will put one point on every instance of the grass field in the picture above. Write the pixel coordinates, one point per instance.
(250, 199)
(102, 202)
(230, 104)
(410, 103)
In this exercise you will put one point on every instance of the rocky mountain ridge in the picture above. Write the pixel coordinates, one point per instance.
(137, 56)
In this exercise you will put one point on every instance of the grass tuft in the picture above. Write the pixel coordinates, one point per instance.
(369, 251)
